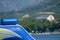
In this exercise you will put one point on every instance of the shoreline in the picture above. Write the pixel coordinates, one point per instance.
(46, 33)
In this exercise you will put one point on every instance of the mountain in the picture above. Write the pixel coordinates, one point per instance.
(9, 5)
(45, 6)
(20, 7)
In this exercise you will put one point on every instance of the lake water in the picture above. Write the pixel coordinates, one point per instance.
(46, 36)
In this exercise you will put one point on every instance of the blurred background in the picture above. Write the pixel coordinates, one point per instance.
(41, 18)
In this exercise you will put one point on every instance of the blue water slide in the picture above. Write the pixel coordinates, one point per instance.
(10, 31)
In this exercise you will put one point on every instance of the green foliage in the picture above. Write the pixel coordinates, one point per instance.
(57, 16)
(38, 26)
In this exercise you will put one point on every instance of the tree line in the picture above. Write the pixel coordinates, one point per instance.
(33, 25)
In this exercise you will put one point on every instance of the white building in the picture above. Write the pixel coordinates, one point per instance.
(44, 15)
(50, 18)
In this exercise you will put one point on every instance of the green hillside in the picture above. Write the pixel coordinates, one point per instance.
(44, 6)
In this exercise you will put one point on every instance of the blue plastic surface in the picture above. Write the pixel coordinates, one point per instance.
(8, 21)
(15, 29)
(10, 31)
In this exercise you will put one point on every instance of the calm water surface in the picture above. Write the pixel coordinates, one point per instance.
(46, 36)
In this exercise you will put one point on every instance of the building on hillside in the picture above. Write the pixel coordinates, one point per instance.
(44, 15)
(26, 16)
(50, 18)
